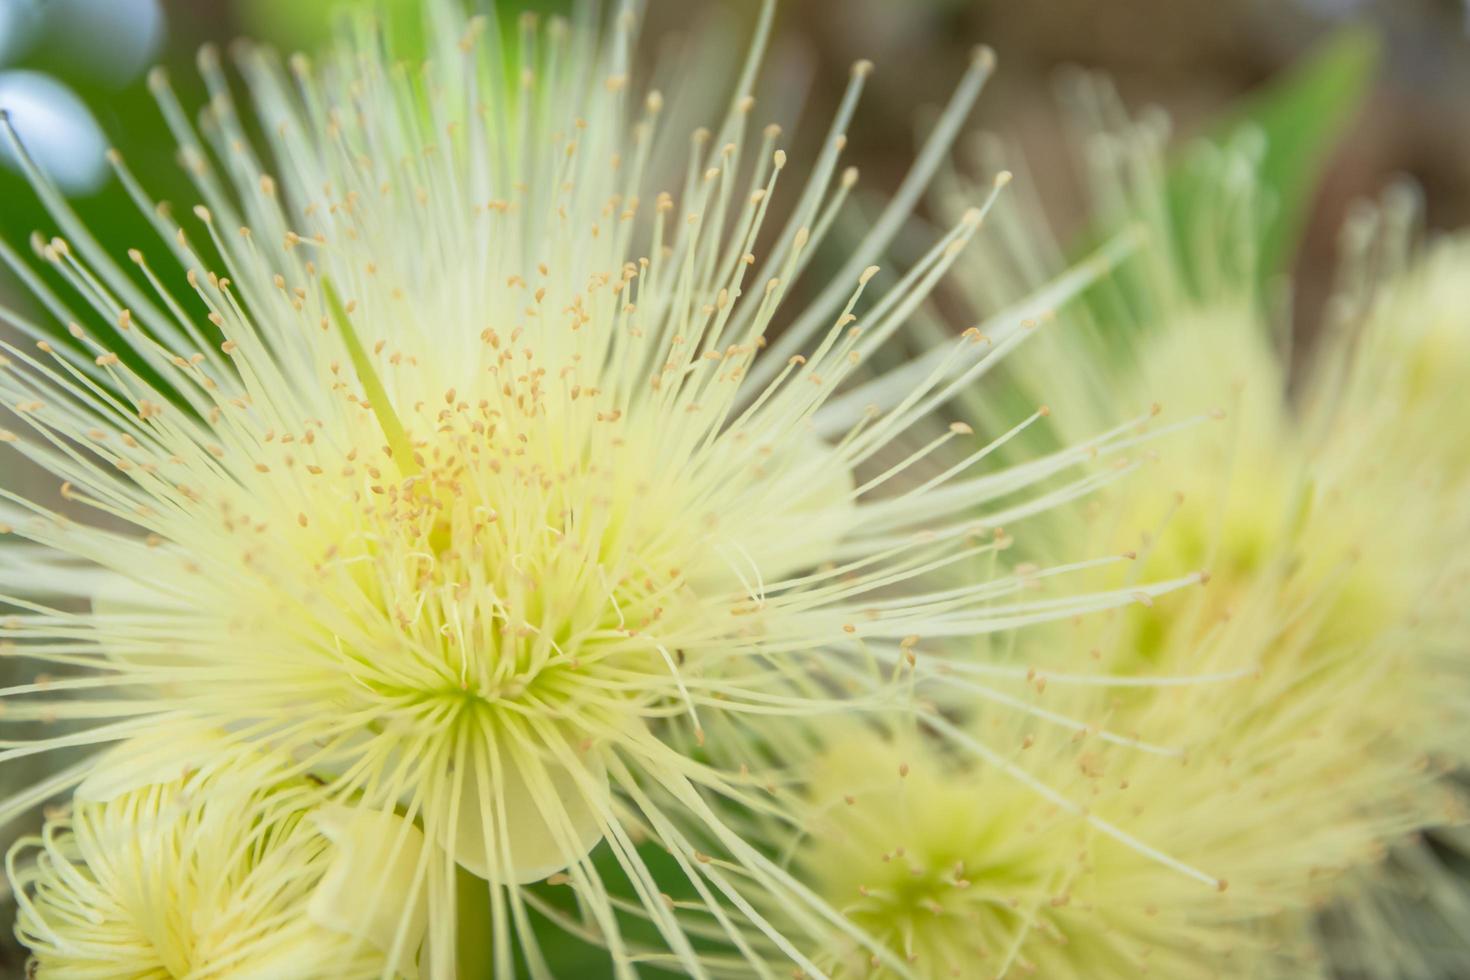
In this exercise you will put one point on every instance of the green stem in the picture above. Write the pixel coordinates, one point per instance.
(473, 960)
(398, 444)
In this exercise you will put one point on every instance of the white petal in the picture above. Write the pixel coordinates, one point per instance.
(535, 850)
(110, 40)
(363, 893)
(162, 756)
(315, 953)
(57, 130)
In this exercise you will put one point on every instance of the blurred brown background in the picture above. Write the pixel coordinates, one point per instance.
(1192, 57)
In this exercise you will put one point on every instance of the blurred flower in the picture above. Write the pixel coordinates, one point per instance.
(19, 23)
(1304, 684)
(110, 41)
(450, 470)
(1400, 352)
(225, 871)
(1394, 363)
(967, 870)
(55, 128)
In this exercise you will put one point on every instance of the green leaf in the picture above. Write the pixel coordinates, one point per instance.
(1302, 115)
(308, 24)
(570, 956)
(1288, 130)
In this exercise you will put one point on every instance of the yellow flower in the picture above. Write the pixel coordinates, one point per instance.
(1398, 352)
(1076, 848)
(1305, 685)
(449, 456)
(965, 870)
(228, 871)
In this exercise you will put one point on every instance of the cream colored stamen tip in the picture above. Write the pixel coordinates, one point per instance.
(779, 159)
(849, 176)
(862, 68)
(961, 429)
(983, 56)
(867, 275)
(972, 217)
(1003, 178)
(1044, 411)
(655, 101)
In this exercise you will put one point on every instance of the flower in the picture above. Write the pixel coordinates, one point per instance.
(1072, 837)
(1397, 349)
(1279, 730)
(224, 871)
(964, 870)
(447, 458)
(1393, 362)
